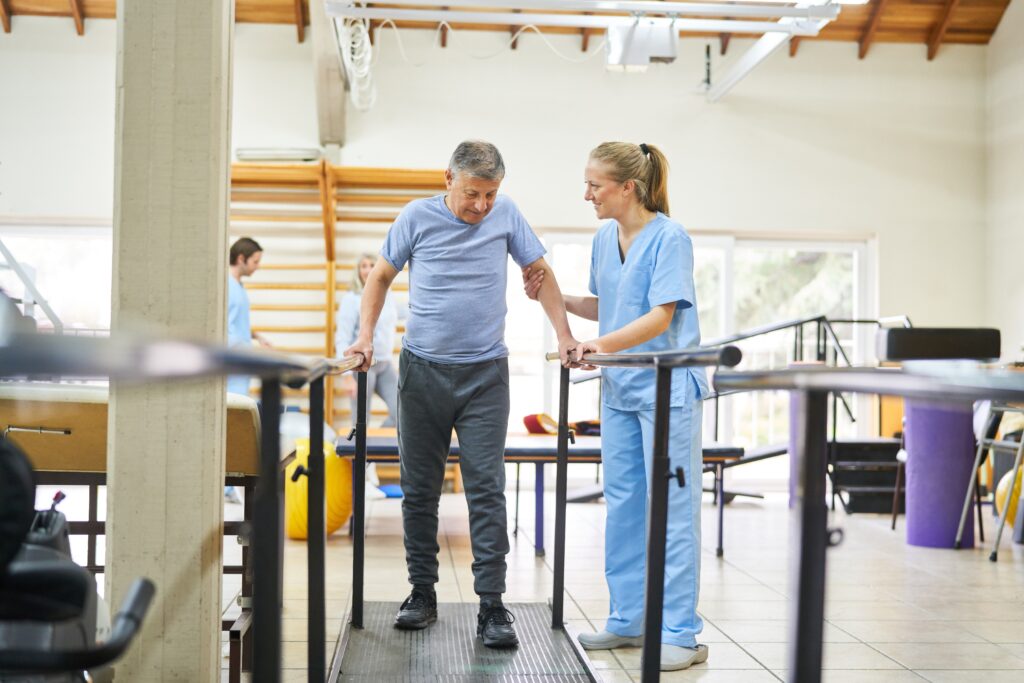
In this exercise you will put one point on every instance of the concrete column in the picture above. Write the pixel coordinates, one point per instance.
(166, 445)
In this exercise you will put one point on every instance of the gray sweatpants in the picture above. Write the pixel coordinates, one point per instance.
(472, 399)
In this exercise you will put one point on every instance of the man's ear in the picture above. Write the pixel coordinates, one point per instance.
(448, 178)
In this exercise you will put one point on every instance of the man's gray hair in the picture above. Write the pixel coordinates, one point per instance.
(478, 159)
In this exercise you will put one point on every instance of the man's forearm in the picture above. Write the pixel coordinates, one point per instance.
(550, 297)
(369, 311)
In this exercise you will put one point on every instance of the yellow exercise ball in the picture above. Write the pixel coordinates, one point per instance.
(338, 491)
(1003, 489)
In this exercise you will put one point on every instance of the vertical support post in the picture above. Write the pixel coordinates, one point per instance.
(538, 512)
(90, 556)
(810, 521)
(316, 614)
(561, 479)
(717, 406)
(657, 529)
(359, 502)
(268, 541)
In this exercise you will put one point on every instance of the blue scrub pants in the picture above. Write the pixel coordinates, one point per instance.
(627, 445)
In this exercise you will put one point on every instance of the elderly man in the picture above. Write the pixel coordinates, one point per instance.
(453, 369)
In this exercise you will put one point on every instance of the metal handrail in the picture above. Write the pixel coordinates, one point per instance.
(128, 358)
(811, 387)
(729, 356)
(933, 385)
(764, 329)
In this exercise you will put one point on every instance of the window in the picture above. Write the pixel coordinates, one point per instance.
(71, 269)
(741, 284)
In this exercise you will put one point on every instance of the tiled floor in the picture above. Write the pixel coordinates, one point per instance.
(894, 612)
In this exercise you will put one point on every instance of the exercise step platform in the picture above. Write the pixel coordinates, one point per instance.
(449, 649)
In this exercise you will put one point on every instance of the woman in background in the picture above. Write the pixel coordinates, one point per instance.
(382, 378)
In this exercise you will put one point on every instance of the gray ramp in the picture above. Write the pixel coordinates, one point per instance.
(449, 651)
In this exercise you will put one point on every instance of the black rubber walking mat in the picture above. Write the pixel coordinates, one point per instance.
(449, 650)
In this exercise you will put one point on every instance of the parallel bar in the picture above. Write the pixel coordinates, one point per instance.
(561, 479)
(759, 331)
(657, 529)
(316, 537)
(359, 503)
(975, 385)
(728, 356)
(268, 541)
(810, 516)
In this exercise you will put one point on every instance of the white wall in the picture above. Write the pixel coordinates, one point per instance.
(818, 146)
(1005, 180)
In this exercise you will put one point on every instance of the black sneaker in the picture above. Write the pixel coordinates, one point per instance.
(494, 626)
(418, 611)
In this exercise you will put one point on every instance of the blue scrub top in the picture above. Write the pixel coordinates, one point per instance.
(239, 330)
(658, 270)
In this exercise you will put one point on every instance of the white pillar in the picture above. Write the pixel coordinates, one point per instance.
(166, 442)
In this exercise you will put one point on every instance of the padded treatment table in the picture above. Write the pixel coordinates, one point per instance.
(539, 449)
(62, 428)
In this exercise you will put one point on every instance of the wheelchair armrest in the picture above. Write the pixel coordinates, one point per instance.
(126, 625)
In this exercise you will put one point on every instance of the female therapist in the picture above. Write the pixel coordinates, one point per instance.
(641, 278)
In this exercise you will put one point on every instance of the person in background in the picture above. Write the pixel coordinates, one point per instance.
(243, 260)
(641, 279)
(382, 378)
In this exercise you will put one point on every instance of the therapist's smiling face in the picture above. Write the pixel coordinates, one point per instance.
(607, 196)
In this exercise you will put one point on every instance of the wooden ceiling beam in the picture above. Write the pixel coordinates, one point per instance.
(723, 39)
(871, 30)
(300, 20)
(513, 30)
(794, 45)
(586, 34)
(5, 16)
(939, 32)
(76, 12)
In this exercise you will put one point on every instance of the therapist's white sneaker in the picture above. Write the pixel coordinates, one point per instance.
(674, 658)
(603, 640)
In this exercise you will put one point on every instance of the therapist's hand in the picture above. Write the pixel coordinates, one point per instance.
(365, 347)
(532, 281)
(583, 348)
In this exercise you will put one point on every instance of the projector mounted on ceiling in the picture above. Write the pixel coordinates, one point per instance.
(632, 46)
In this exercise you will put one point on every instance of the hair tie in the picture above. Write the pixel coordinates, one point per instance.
(645, 149)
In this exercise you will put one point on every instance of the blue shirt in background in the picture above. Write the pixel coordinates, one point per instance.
(457, 277)
(239, 330)
(658, 270)
(348, 326)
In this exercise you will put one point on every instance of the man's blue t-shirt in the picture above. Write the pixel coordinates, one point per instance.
(457, 277)
(658, 269)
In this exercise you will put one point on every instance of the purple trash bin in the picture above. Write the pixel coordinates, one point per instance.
(940, 454)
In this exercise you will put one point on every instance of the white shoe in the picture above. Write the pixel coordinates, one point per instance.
(674, 657)
(603, 640)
